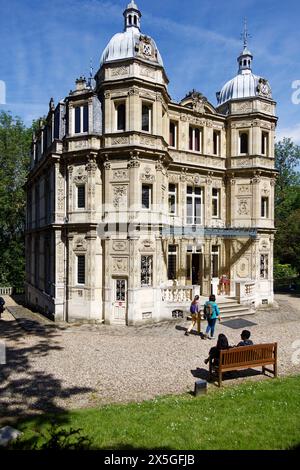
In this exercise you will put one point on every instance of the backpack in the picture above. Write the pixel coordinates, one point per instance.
(208, 311)
(193, 309)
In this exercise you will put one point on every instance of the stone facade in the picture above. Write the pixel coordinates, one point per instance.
(135, 202)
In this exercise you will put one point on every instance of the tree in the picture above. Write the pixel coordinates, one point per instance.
(15, 142)
(287, 203)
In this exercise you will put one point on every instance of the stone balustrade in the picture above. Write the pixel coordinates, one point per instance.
(178, 294)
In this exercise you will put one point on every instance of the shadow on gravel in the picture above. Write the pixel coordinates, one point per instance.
(24, 391)
(203, 374)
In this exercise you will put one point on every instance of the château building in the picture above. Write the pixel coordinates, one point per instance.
(135, 202)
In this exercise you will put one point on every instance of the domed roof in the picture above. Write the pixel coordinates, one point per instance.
(244, 85)
(126, 45)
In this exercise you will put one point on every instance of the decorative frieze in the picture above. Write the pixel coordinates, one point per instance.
(120, 71)
(80, 176)
(147, 72)
(79, 244)
(120, 245)
(120, 140)
(120, 175)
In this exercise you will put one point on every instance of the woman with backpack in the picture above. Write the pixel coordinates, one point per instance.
(195, 311)
(211, 313)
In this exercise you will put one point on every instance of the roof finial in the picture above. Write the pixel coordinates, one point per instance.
(245, 34)
(91, 77)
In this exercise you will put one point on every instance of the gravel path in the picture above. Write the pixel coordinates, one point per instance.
(63, 367)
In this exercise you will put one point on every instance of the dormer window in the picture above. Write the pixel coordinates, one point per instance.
(81, 119)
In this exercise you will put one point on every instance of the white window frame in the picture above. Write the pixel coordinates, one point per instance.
(150, 186)
(218, 199)
(149, 274)
(171, 193)
(175, 133)
(200, 129)
(81, 119)
(264, 207)
(218, 134)
(265, 137)
(194, 196)
(149, 105)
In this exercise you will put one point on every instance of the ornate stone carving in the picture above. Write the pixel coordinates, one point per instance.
(147, 246)
(173, 178)
(120, 265)
(80, 177)
(120, 141)
(149, 141)
(120, 197)
(79, 244)
(120, 245)
(243, 207)
(244, 107)
(244, 189)
(264, 245)
(133, 91)
(147, 177)
(147, 72)
(107, 94)
(134, 161)
(91, 166)
(243, 268)
(119, 71)
(120, 175)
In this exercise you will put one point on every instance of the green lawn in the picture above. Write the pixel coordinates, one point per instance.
(254, 415)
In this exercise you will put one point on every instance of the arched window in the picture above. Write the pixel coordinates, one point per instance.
(121, 117)
(244, 143)
(245, 62)
(135, 20)
(130, 19)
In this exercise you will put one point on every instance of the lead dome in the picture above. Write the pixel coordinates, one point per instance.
(126, 45)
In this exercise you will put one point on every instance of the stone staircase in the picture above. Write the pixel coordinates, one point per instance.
(231, 308)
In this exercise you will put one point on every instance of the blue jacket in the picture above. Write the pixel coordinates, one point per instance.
(216, 311)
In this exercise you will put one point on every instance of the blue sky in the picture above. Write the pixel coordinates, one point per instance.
(46, 45)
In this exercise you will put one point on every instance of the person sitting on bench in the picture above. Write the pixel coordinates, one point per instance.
(246, 341)
(214, 352)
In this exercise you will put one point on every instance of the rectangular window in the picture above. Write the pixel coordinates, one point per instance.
(264, 143)
(172, 262)
(194, 206)
(216, 142)
(121, 117)
(146, 117)
(195, 139)
(81, 196)
(85, 118)
(173, 134)
(244, 143)
(172, 199)
(264, 266)
(146, 271)
(81, 269)
(215, 261)
(37, 205)
(215, 203)
(146, 196)
(56, 123)
(264, 207)
(81, 119)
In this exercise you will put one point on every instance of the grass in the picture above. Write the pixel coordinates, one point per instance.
(260, 415)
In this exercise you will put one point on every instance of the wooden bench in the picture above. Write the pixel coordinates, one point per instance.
(245, 357)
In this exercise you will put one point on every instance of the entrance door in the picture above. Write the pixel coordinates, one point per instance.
(197, 272)
(120, 300)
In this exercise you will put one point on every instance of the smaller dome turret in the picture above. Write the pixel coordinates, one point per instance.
(245, 84)
(132, 16)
